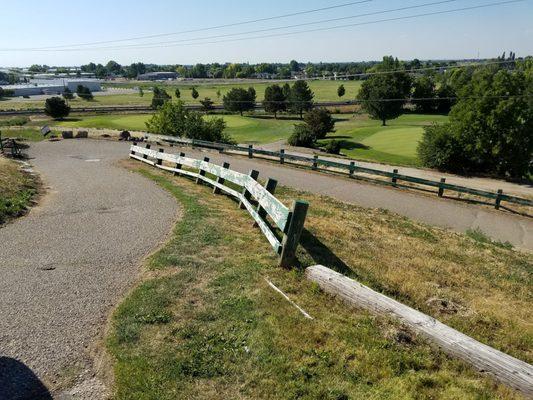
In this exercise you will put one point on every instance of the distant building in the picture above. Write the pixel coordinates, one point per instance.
(51, 87)
(158, 76)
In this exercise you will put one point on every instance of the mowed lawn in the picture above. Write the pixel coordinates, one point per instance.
(361, 137)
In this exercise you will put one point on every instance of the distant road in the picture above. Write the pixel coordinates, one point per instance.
(114, 109)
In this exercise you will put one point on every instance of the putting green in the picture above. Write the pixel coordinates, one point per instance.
(398, 141)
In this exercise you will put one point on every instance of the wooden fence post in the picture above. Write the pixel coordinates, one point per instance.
(281, 156)
(291, 237)
(160, 160)
(216, 190)
(394, 177)
(315, 162)
(145, 156)
(247, 195)
(178, 165)
(250, 151)
(441, 187)
(352, 168)
(270, 187)
(498, 199)
(201, 172)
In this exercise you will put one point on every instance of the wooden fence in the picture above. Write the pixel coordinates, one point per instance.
(267, 211)
(393, 178)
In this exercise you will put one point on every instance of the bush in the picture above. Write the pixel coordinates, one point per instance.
(333, 147)
(14, 121)
(440, 149)
(56, 108)
(160, 98)
(302, 136)
(319, 120)
(84, 92)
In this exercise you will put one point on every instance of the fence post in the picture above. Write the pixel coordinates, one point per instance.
(394, 178)
(201, 172)
(178, 165)
(441, 187)
(315, 162)
(270, 187)
(498, 199)
(352, 168)
(292, 236)
(246, 194)
(145, 156)
(220, 180)
(281, 156)
(132, 152)
(160, 160)
(250, 151)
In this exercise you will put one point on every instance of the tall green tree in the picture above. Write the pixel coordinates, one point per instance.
(275, 100)
(177, 93)
(424, 91)
(383, 95)
(194, 93)
(207, 104)
(239, 100)
(341, 91)
(160, 97)
(301, 98)
(320, 122)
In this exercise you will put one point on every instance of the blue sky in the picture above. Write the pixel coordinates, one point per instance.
(487, 32)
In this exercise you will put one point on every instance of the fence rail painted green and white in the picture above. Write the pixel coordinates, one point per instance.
(258, 200)
(351, 169)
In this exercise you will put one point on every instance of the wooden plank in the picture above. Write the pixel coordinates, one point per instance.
(275, 208)
(272, 239)
(246, 194)
(220, 181)
(291, 237)
(504, 368)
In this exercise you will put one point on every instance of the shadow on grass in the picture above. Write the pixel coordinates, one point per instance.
(280, 117)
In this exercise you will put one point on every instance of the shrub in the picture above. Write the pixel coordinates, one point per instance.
(56, 108)
(160, 98)
(333, 147)
(14, 121)
(84, 92)
(440, 149)
(302, 136)
(319, 120)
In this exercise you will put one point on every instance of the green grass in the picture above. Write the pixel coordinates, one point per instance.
(17, 189)
(204, 324)
(30, 134)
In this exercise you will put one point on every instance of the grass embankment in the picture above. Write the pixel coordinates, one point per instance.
(17, 189)
(360, 136)
(30, 134)
(204, 324)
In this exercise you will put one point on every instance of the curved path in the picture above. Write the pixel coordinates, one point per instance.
(65, 265)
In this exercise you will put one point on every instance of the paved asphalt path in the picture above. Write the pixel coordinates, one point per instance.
(65, 265)
(457, 216)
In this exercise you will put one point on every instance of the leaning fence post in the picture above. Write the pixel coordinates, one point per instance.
(291, 237)
(216, 190)
(441, 187)
(160, 160)
(498, 199)
(315, 162)
(281, 156)
(270, 187)
(245, 193)
(145, 156)
(201, 172)
(394, 177)
(178, 165)
(352, 168)
(250, 151)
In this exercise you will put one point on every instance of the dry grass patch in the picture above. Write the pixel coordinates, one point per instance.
(215, 329)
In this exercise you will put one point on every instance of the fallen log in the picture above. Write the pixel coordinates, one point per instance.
(502, 367)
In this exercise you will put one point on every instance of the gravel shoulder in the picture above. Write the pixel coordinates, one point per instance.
(66, 264)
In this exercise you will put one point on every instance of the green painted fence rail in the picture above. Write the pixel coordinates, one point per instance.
(315, 163)
(258, 200)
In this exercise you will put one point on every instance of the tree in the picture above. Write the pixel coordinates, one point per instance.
(489, 130)
(239, 100)
(424, 90)
(175, 120)
(160, 97)
(300, 98)
(275, 100)
(114, 68)
(84, 92)
(67, 94)
(341, 91)
(294, 66)
(218, 94)
(56, 107)
(194, 93)
(445, 98)
(141, 92)
(384, 95)
(320, 122)
(286, 90)
(207, 104)
(177, 93)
